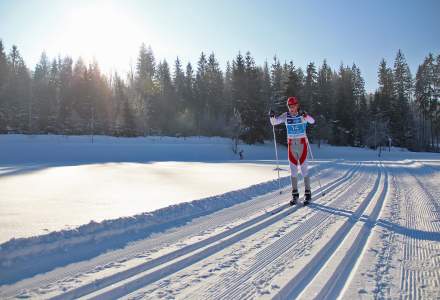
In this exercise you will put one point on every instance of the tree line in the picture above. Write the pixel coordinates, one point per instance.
(61, 96)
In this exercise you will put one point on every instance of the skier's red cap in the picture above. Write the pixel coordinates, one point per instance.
(292, 101)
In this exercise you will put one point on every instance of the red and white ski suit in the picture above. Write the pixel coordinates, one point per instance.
(297, 149)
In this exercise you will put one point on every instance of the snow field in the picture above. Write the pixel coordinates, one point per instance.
(243, 210)
(373, 234)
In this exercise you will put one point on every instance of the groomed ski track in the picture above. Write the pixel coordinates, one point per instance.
(372, 230)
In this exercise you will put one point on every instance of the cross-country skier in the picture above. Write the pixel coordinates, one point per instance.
(297, 144)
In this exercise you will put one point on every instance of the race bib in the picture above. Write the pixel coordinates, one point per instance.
(295, 127)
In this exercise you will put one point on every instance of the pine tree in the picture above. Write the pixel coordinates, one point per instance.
(386, 89)
(179, 84)
(145, 87)
(381, 107)
(345, 119)
(325, 102)
(18, 94)
(41, 95)
(278, 86)
(278, 98)
(239, 95)
(201, 94)
(436, 106)
(215, 107)
(266, 94)
(227, 92)
(189, 88)
(400, 118)
(323, 105)
(54, 97)
(3, 66)
(163, 107)
(66, 95)
(186, 119)
(361, 109)
(254, 115)
(145, 67)
(100, 100)
(427, 100)
(293, 81)
(4, 75)
(80, 112)
(310, 88)
(125, 124)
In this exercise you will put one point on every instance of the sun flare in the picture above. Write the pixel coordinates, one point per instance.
(104, 32)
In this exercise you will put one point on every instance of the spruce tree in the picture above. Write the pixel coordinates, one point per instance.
(179, 84)
(386, 89)
(343, 131)
(266, 94)
(400, 119)
(254, 116)
(163, 106)
(81, 100)
(124, 118)
(54, 97)
(227, 92)
(214, 105)
(4, 75)
(41, 95)
(323, 105)
(436, 106)
(310, 88)
(145, 87)
(360, 102)
(293, 81)
(18, 94)
(427, 100)
(189, 89)
(239, 95)
(66, 95)
(201, 94)
(278, 87)
(100, 103)
(278, 98)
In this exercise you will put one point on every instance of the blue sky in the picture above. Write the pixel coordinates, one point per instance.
(345, 31)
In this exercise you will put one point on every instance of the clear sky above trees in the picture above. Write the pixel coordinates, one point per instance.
(345, 31)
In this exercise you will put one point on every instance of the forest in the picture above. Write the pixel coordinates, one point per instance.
(66, 97)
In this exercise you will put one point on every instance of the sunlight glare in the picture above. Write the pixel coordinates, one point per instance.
(105, 32)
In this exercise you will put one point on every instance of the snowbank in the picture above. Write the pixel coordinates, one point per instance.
(26, 249)
(56, 149)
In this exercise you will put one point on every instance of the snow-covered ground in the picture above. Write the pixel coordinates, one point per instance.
(73, 181)
(372, 231)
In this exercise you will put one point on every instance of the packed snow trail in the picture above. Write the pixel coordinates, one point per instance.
(375, 233)
(271, 261)
(403, 260)
(250, 228)
(355, 232)
(211, 224)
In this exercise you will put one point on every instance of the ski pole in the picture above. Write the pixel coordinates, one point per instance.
(276, 155)
(313, 160)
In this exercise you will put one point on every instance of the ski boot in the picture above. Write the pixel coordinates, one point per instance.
(307, 196)
(295, 197)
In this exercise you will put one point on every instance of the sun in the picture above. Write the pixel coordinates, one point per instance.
(104, 32)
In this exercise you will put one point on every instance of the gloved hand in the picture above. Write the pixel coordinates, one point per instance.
(271, 114)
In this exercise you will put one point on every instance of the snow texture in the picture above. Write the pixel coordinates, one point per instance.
(371, 231)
